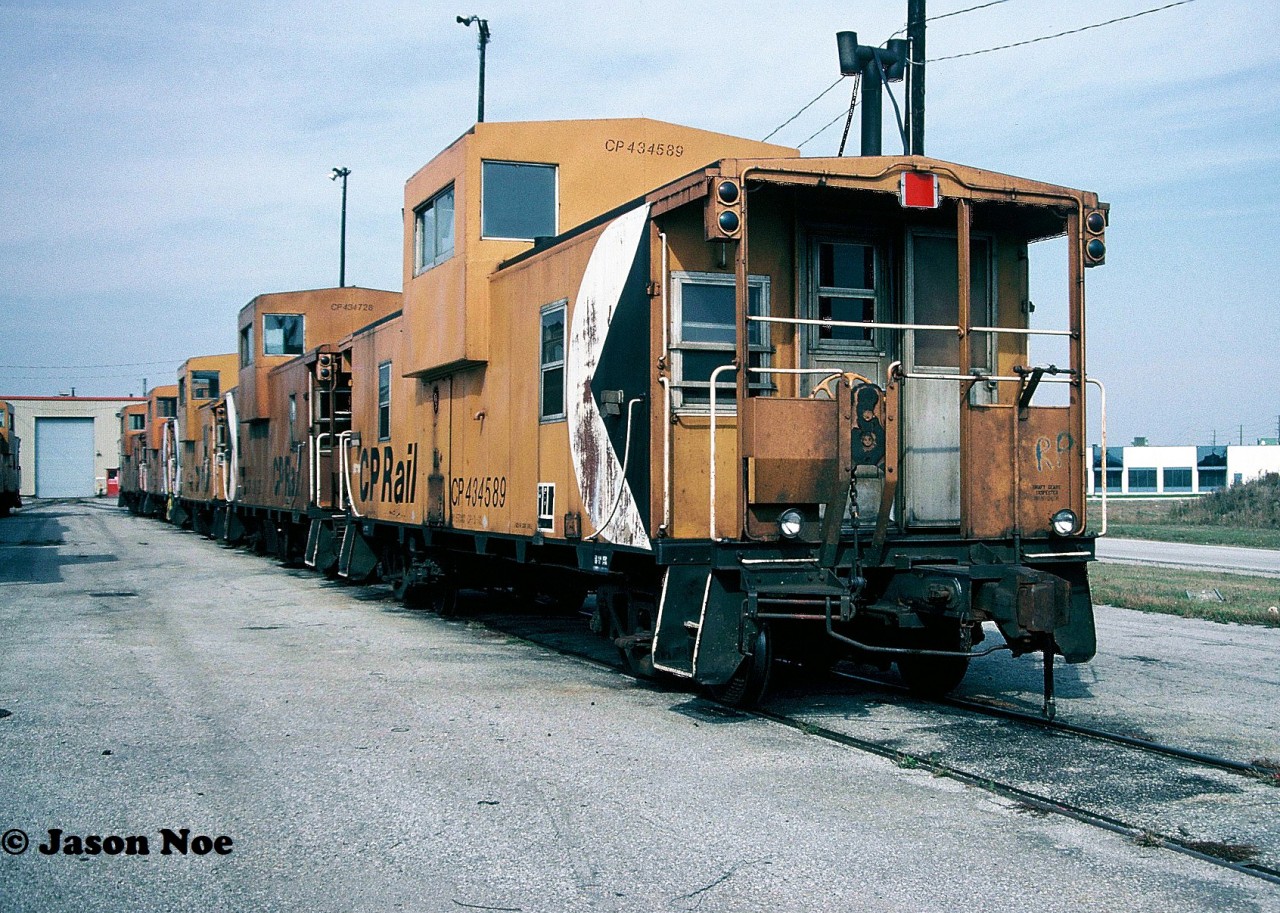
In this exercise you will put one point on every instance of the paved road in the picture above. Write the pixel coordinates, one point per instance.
(363, 757)
(1263, 562)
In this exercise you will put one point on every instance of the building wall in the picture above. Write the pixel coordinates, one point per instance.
(106, 430)
(1251, 461)
(1176, 470)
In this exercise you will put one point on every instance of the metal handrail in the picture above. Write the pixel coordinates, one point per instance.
(1102, 418)
(875, 325)
(712, 514)
(854, 324)
(346, 492)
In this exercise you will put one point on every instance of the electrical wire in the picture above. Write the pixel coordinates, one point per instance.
(823, 130)
(804, 109)
(127, 364)
(969, 9)
(1076, 31)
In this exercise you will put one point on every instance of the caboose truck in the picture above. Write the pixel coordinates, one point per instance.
(776, 407)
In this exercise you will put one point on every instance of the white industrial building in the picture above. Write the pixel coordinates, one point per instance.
(70, 444)
(1188, 470)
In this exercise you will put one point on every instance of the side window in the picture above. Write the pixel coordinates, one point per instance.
(246, 346)
(703, 333)
(204, 384)
(282, 334)
(551, 388)
(433, 231)
(384, 401)
(518, 201)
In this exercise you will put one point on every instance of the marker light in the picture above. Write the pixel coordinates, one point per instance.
(727, 192)
(1095, 249)
(789, 523)
(1095, 222)
(729, 221)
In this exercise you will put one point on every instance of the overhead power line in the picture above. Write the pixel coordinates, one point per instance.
(969, 9)
(1076, 31)
(804, 109)
(129, 364)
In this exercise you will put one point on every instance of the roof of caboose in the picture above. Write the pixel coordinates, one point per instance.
(875, 173)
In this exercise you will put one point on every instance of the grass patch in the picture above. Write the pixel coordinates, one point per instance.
(1196, 535)
(1246, 515)
(1164, 590)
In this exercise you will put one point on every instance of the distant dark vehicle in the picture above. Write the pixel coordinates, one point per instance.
(10, 463)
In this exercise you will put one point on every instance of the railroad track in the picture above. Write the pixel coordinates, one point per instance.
(1231, 856)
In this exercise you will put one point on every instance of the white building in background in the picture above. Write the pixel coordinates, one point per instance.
(70, 444)
(1188, 470)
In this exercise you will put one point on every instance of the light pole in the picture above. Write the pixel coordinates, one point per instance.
(342, 243)
(483, 26)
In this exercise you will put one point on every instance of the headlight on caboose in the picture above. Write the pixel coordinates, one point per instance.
(1064, 522)
(789, 523)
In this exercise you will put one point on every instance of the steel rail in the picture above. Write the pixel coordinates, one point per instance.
(1026, 797)
(1046, 804)
(1101, 735)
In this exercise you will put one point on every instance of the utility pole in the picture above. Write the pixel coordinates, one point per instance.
(483, 26)
(1242, 435)
(342, 240)
(915, 75)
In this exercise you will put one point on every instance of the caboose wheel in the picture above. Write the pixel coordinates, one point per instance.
(749, 684)
(935, 676)
(629, 618)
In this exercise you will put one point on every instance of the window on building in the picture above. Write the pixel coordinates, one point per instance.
(433, 231)
(182, 391)
(137, 422)
(1142, 480)
(1177, 479)
(518, 200)
(282, 334)
(703, 334)
(204, 385)
(1211, 467)
(1115, 468)
(384, 401)
(1212, 479)
(167, 406)
(246, 346)
(551, 394)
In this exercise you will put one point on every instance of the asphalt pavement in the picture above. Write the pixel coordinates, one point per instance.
(1263, 562)
(359, 756)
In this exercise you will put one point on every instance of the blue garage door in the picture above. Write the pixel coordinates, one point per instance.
(64, 458)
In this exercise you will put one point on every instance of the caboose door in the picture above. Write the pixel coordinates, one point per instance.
(845, 281)
(931, 397)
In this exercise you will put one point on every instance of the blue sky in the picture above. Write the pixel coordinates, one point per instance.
(164, 162)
